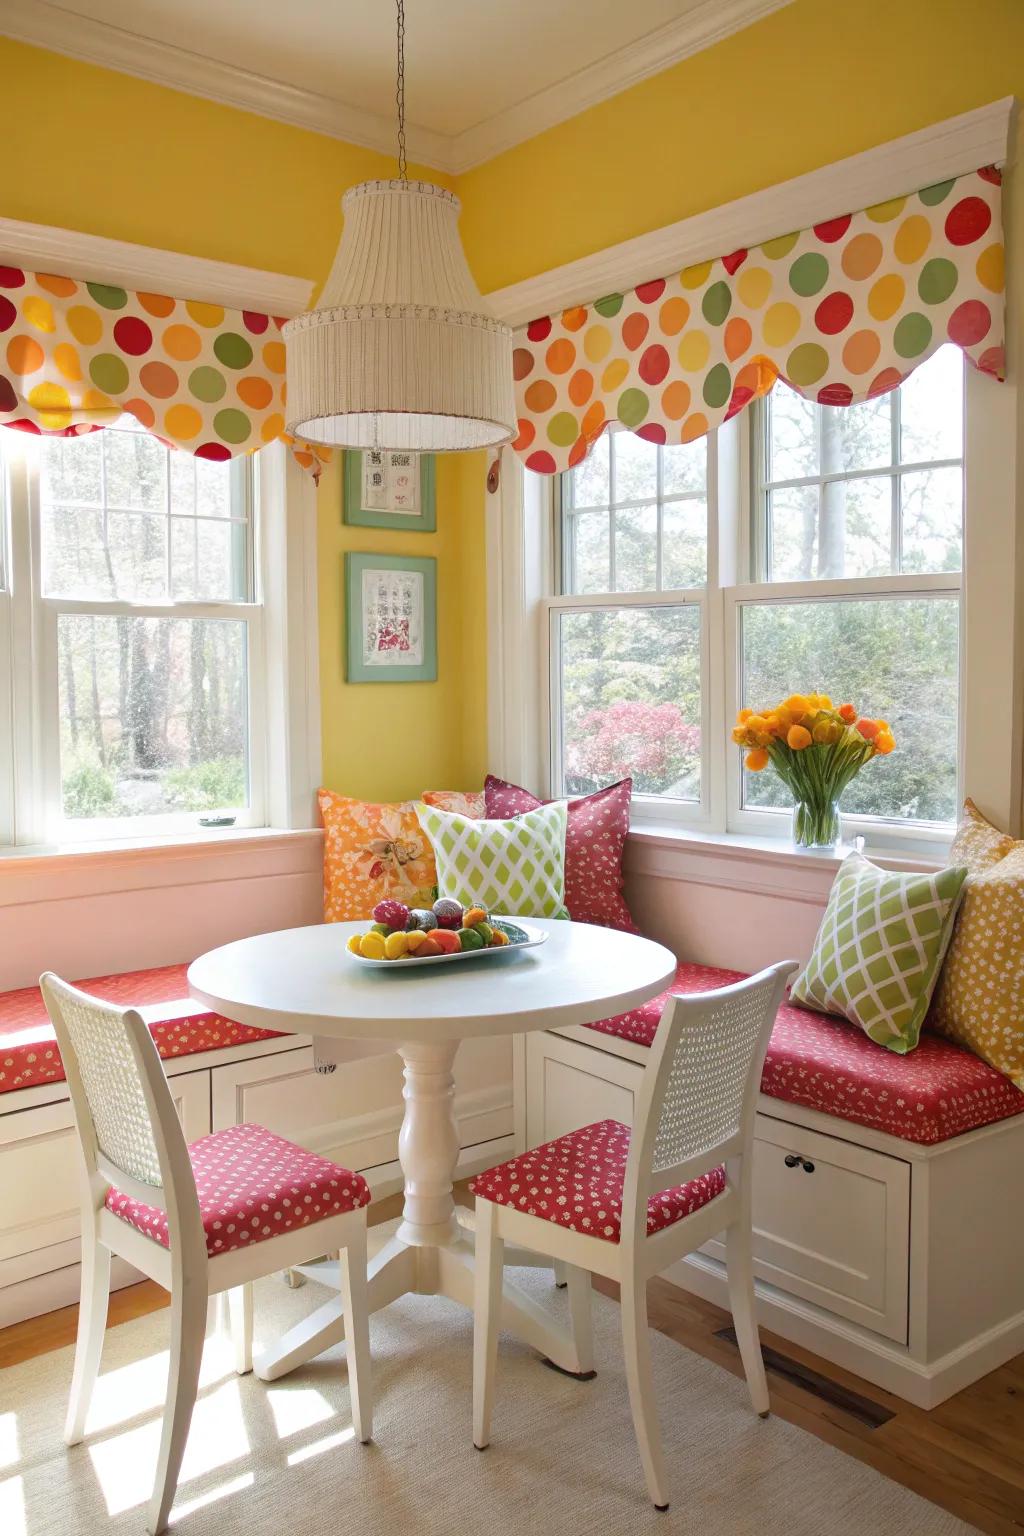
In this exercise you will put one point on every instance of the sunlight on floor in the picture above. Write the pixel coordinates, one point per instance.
(12, 1507)
(125, 1464)
(236, 1485)
(297, 1408)
(330, 1443)
(141, 1387)
(9, 1451)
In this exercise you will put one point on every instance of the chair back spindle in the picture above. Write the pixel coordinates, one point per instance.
(698, 1098)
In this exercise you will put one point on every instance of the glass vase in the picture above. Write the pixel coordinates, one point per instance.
(816, 823)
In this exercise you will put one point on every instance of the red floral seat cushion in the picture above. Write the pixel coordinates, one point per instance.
(595, 838)
(934, 1092)
(252, 1185)
(179, 1025)
(577, 1182)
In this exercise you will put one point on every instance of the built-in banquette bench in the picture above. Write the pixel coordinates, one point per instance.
(888, 1190)
(221, 1073)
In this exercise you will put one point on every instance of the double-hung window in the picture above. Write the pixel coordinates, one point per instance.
(802, 548)
(131, 617)
(629, 632)
(857, 539)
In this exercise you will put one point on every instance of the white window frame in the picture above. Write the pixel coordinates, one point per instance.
(706, 599)
(989, 760)
(281, 664)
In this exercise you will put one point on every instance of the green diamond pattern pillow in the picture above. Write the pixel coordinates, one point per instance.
(514, 867)
(879, 949)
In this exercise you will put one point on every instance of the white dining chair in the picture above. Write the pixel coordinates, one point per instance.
(199, 1219)
(607, 1202)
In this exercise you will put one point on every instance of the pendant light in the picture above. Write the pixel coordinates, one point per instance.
(400, 352)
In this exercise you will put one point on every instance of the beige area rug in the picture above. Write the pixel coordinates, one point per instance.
(281, 1460)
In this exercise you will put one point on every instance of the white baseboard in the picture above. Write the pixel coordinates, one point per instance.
(884, 1364)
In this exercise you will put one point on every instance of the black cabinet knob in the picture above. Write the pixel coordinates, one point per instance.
(794, 1160)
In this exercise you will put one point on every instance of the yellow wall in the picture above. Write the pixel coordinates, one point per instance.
(110, 155)
(818, 80)
(391, 741)
(808, 85)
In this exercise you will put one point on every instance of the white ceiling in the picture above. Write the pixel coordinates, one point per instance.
(479, 75)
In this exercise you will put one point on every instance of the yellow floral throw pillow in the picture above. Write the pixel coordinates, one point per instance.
(372, 851)
(979, 1001)
(463, 802)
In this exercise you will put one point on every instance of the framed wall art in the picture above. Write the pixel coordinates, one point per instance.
(390, 619)
(386, 489)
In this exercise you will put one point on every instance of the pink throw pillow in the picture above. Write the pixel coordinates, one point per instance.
(594, 842)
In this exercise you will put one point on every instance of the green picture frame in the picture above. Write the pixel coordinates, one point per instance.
(390, 612)
(421, 517)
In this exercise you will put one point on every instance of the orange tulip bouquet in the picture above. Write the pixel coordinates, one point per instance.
(816, 749)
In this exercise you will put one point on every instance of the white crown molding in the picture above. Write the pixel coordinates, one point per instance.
(46, 25)
(950, 148)
(704, 25)
(45, 248)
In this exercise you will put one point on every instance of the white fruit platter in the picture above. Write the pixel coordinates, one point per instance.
(401, 937)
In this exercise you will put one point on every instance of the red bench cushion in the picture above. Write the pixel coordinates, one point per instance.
(179, 1025)
(934, 1092)
(252, 1185)
(577, 1182)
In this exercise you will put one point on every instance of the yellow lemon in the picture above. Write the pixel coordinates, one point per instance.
(396, 945)
(414, 940)
(371, 946)
(354, 944)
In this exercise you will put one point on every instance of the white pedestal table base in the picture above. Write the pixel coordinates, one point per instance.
(431, 1253)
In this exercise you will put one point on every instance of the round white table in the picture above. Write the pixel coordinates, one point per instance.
(303, 981)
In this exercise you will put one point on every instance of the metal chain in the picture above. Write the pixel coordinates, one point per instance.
(400, 91)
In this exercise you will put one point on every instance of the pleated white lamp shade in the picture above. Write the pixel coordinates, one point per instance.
(400, 351)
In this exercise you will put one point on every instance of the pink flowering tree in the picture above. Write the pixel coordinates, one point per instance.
(652, 742)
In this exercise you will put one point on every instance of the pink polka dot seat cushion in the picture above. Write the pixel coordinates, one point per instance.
(594, 842)
(577, 1182)
(179, 1025)
(252, 1185)
(934, 1092)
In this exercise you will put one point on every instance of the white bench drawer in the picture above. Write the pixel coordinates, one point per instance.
(41, 1185)
(838, 1236)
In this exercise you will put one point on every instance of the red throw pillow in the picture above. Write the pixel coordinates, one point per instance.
(594, 841)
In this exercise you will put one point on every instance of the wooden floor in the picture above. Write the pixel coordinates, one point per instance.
(967, 1455)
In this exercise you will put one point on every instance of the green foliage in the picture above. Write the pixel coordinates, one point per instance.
(88, 789)
(214, 785)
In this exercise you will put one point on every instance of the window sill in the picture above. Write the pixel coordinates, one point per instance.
(68, 870)
(174, 844)
(769, 866)
(773, 850)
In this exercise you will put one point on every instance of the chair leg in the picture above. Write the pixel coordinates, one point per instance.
(636, 1346)
(490, 1253)
(578, 1281)
(559, 1268)
(240, 1312)
(92, 1321)
(355, 1305)
(739, 1263)
(188, 1333)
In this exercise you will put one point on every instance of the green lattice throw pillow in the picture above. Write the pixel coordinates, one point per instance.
(879, 949)
(516, 867)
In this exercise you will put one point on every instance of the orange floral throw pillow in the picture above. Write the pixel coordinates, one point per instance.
(372, 851)
(463, 802)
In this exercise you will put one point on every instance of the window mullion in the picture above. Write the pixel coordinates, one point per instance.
(612, 574)
(659, 533)
(896, 489)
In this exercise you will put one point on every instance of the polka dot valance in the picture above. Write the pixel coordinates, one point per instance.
(74, 356)
(841, 313)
